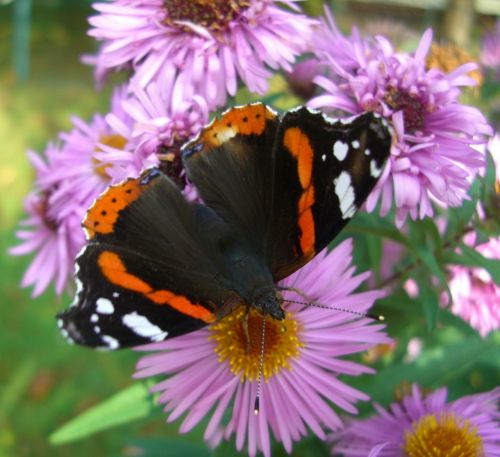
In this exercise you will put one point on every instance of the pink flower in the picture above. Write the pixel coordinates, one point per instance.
(426, 425)
(162, 123)
(213, 372)
(431, 159)
(200, 47)
(475, 295)
(94, 156)
(55, 242)
(301, 78)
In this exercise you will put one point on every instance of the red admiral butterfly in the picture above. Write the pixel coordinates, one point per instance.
(276, 191)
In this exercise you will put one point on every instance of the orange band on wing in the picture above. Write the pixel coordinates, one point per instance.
(114, 270)
(245, 120)
(299, 146)
(103, 214)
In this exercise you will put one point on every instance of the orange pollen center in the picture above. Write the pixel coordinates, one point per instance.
(446, 436)
(242, 349)
(113, 141)
(212, 14)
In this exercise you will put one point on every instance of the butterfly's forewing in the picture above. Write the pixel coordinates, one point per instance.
(231, 165)
(149, 269)
(324, 171)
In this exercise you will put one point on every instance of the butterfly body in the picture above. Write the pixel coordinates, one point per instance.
(275, 192)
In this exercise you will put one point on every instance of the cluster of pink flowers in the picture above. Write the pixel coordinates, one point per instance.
(431, 159)
(185, 59)
(198, 47)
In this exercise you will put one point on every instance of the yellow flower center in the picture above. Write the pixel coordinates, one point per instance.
(114, 141)
(447, 436)
(212, 14)
(242, 348)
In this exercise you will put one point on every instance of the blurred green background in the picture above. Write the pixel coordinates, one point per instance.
(43, 381)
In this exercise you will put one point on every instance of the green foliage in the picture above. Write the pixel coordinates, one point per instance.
(131, 404)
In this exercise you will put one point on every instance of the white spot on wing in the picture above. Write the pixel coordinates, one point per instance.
(323, 157)
(116, 294)
(340, 150)
(104, 306)
(111, 343)
(355, 144)
(94, 318)
(367, 152)
(375, 171)
(60, 323)
(226, 134)
(345, 193)
(97, 329)
(143, 327)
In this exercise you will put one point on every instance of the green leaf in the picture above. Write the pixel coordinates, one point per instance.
(374, 225)
(429, 301)
(428, 259)
(131, 404)
(434, 368)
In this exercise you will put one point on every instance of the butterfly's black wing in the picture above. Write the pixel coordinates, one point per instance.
(231, 165)
(324, 171)
(149, 269)
(287, 186)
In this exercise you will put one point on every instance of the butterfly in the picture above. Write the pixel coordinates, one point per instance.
(275, 192)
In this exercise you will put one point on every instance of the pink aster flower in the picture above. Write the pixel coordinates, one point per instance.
(200, 47)
(213, 372)
(431, 159)
(475, 295)
(426, 425)
(94, 156)
(54, 241)
(162, 123)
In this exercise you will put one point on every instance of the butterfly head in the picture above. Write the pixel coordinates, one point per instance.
(268, 302)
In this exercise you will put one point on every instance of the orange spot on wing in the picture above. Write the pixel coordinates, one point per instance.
(307, 236)
(297, 142)
(182, 304)
(114, 270)
(103, 214)
(245, 120)
(299, 146)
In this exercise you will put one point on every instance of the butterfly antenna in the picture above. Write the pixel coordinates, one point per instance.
(256, 407)
(377, 317)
